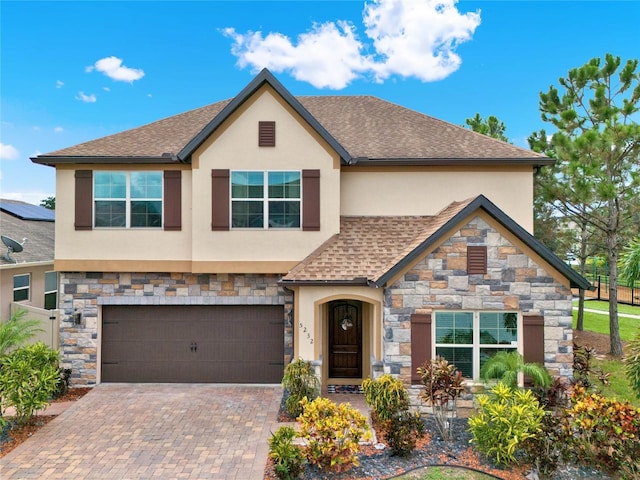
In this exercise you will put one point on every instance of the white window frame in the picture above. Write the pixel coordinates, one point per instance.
(265, 200)
(27, 287)
(128, 199)
(476, 345)
(49, 292)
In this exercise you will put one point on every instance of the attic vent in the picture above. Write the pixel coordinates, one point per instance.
(476, 260)
(266, 134)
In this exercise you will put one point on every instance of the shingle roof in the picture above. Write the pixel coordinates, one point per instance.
(364, 128)
(368, 247)
(40, 237)
(375, 249)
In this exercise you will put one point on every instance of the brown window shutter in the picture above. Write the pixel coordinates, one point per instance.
(533, 338)
(476, 260)
(420, 343)
(266, 134)
(219, 199)
(311, 200)
(84, 200)
(172, 200)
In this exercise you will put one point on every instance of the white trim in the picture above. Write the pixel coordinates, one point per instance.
(476, 346)
(265, 199)
(27, 287)
(127, 199)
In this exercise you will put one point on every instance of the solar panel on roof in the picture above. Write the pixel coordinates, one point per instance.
(26, 211)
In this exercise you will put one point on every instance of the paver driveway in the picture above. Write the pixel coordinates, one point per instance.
(159, 431)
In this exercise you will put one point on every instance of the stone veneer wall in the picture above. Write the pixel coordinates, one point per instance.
(513, 282)
(85, 292)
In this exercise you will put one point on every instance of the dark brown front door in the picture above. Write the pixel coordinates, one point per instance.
(345, 339)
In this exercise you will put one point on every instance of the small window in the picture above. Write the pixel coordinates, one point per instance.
(265, 199)
(21, 287)
(50, 290)
(468, 339)
(127, 199)
(266, 134)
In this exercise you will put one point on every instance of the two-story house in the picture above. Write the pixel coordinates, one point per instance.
(218, 244)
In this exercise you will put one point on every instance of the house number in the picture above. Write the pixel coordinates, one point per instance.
(304, 330)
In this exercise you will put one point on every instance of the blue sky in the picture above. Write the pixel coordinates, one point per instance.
(75, 71)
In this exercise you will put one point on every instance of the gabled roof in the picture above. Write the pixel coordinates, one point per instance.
(363, 130)
(264, 77)
(40, 234)
(372, 250)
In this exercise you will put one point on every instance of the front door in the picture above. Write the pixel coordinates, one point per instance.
(345, 339)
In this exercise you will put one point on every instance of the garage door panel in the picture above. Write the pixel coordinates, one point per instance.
(240, 344)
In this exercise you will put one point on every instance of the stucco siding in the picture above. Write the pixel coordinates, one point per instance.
(427, 190)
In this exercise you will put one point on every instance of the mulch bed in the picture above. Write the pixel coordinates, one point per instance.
(380, 464)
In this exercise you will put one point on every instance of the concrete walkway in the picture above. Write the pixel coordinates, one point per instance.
(165, 431)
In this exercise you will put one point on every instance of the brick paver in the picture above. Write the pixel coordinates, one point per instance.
(154, 431)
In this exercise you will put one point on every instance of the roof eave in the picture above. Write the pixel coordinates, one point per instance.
(263, 77)
(354, 282)
(482, 202)
(406, 162)
(53, 160)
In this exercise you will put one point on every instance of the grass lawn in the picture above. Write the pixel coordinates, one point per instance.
(619, 385)
(604, 306)
(442, 473)
(596, 322)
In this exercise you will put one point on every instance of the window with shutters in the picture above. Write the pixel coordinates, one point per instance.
(468, 339)
(476, 260)
(127, 199)
(265, 199)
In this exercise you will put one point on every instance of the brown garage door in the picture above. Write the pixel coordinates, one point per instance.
(193, 344)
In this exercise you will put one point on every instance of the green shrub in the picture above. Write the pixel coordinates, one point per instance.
(286, 456)
(28, 378)
(506, 418)
(403, 431)
(387, 396)
(301, 381)
(546, 450)
(603, 432)
(632, 364)
(442, 386)
(505, 367)
(332, 432)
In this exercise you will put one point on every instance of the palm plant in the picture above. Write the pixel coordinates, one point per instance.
(505, 367)
(17, 330)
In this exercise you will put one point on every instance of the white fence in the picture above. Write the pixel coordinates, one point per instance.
(49, 323)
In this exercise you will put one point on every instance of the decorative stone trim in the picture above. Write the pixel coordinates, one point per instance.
(513, 282)
(82, 294)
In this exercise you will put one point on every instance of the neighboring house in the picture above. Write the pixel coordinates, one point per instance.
(218, 244)
(27, 278)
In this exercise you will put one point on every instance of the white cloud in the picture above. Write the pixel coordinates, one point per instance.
(8, 152)
(106, 89)
(59, 84)
(58, 129)
(36, 128)
(86, 98)
(112, 67)
(415, 38)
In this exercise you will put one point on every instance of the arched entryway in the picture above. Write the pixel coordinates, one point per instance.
(345, 339)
